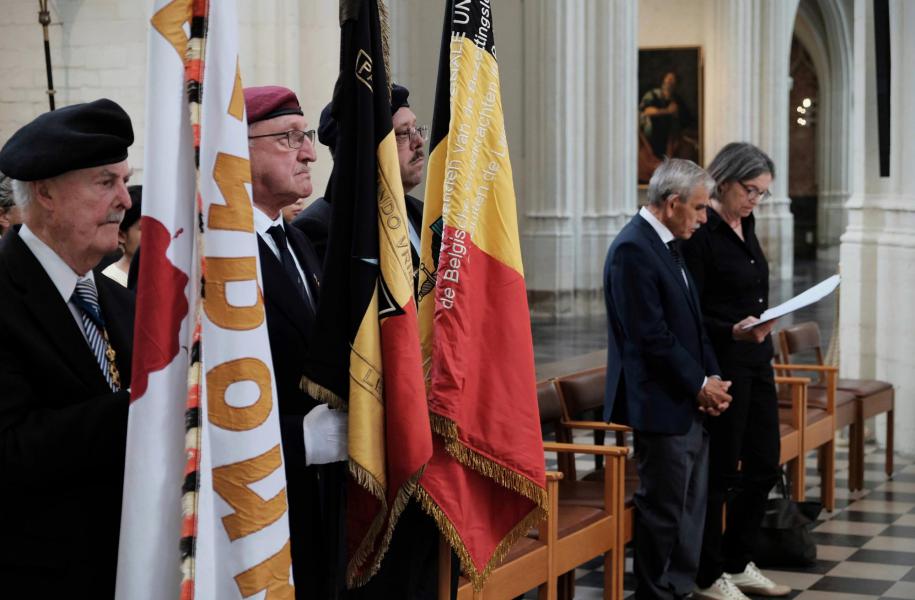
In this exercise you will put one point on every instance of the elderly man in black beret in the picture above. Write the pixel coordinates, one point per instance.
(314, 221)
(65, 357)
(314, 437)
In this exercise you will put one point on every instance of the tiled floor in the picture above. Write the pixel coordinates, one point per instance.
(865, 549)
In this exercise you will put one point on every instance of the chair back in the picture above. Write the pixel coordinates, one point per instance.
(549, 404)
(803, 337)
(582, 392)
(551, 420)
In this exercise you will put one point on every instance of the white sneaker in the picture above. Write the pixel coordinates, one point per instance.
(751, 581)
(722, 589)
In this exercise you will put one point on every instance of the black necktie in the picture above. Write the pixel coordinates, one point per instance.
(279, 236)
(674, 247)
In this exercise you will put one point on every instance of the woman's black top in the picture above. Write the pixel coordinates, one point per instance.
(732, 276)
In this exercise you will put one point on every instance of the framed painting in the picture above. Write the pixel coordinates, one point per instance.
(670, 107)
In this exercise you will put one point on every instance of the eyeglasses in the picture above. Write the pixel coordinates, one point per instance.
(405, 137)
(754, 194)
(294, 137)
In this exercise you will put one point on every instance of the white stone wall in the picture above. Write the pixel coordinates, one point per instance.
(98, 49)
(877, 252)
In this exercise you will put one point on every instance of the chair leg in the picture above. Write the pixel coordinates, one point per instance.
(852, 459)
(859, 454)
(566, 586)
(610, 575)
(798, 485)
(890, 426)
(828, 476)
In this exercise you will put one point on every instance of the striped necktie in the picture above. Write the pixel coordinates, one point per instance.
(85, 298)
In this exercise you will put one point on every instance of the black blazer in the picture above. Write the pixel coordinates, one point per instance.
(314, 222)
(62, 435)
(290, 320)
(658, 353)
(732, 277)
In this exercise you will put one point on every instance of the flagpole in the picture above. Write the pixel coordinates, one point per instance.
(44, 18)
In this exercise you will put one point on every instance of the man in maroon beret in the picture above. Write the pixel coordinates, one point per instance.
(281, 148)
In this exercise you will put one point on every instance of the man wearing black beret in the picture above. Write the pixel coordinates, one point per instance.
(314, 221)
(65, 357)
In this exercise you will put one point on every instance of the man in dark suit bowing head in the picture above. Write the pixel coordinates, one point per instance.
(281, 148)
(662, 376)
(65, 355)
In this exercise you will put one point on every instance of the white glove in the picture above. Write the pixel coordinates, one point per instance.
(325, 435)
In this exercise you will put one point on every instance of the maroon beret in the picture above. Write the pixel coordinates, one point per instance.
(270, 101)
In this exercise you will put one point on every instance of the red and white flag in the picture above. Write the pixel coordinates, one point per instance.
(205, 512)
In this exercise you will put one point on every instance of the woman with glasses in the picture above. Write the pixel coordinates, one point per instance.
(732, 277)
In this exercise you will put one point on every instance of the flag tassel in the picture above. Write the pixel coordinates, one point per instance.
(504, 476)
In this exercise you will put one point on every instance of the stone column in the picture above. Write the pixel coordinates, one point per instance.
(610, 191)
(878, 249)
(774, 221)
(579, 177)
(554, 132)
(748, 73)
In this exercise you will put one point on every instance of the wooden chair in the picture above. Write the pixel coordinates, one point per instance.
(591, 513)
(791, 419)
(818, 432)
(857, 399)
(528, 564)
(583, 392)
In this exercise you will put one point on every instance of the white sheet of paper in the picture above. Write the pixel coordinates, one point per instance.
(805, 298)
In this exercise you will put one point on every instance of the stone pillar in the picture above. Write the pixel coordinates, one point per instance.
(611, 99)
(748, 72)
(579, 176)
(878, 249)
(553, 150)
(774, 221)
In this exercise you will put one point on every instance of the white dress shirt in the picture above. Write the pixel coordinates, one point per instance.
(62, 276)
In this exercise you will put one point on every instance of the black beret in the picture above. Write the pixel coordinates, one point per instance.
(399, 96)
(132, 214)
(327, 128)
(327, 125)
(80, 136)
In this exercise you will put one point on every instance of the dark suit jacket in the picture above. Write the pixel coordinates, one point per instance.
(658, 353)
(314, 222)
(62, 435)
(289, 325)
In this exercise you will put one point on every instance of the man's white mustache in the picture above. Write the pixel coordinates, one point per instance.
(115, 217)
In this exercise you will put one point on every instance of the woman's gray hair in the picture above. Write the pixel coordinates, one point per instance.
(740, 161)
(677, 176)
(22, 192)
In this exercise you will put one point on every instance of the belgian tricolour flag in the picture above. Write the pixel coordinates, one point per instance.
(365, 354)
(474, 319)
